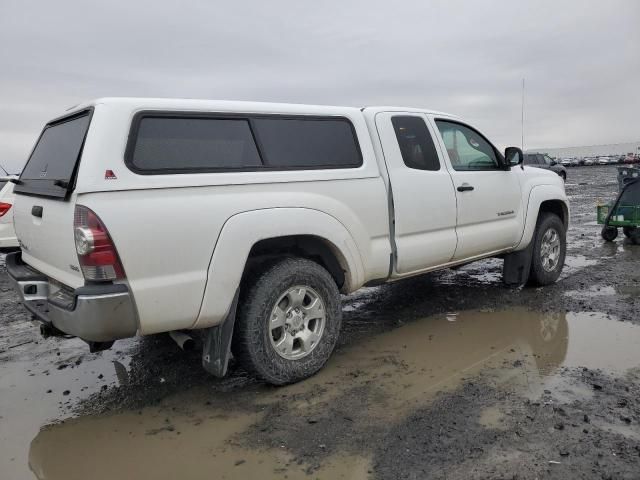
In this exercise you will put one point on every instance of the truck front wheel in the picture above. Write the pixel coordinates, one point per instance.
(288, 321)
(549, 250)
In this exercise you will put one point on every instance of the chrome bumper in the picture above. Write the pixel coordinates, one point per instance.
(95, 313)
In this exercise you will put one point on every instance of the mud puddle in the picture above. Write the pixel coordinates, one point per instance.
(572, 263)
(33, 392)
(622, 291)
(327, 426)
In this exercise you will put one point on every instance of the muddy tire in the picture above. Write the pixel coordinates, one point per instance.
(549, 250)
(288, 321)
(609, 234)
(634, 236)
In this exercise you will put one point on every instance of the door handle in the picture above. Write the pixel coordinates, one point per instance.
(465, 187)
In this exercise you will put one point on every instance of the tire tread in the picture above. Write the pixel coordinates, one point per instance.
(538, 276)
(250, 345)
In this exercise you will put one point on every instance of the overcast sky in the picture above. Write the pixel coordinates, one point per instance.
(581, 60)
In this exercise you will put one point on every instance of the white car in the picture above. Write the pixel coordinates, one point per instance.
(244, 221)
(588, 161)
(8, 240)
(605, 161)
(565, 162)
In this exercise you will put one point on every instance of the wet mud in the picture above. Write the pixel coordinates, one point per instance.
(450, 375)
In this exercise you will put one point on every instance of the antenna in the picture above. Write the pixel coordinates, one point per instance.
(522, 118)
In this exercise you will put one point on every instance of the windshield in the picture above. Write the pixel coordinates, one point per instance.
(49, 171)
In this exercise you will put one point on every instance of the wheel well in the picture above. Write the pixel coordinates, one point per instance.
(310, 247)
(557, 207)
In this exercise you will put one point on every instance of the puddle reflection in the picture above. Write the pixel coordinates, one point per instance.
(399, 371)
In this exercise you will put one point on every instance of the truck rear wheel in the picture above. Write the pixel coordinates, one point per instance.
(288, 321)
(549, 250)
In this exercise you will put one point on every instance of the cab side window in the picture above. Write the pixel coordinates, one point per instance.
(467, 149)
(416, 145)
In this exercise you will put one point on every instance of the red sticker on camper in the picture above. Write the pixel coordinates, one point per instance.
(109, 175)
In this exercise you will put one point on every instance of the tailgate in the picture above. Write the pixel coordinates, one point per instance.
(47, 242)
(44, 206)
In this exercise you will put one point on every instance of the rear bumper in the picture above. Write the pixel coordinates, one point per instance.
(95, 313)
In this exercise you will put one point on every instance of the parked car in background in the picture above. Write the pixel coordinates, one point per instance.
(542, 160)
(282, 208)
(630, 158)
(589, 161)
(8, 240)
(575, 162)
(605, 160)
(565, 162)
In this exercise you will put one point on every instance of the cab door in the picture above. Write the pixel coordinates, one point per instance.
(424, 199)
(490, 213)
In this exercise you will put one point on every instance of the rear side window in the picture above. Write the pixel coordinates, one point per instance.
(52, 164)
(416, 144)
(307, 143)
(168, 143)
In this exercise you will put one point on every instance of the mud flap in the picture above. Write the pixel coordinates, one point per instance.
(517, 266)
(217, 343)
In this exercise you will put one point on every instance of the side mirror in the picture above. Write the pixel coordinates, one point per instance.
(513, 156)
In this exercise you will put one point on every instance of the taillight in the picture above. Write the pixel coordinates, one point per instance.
(4, 208)
(96, 252)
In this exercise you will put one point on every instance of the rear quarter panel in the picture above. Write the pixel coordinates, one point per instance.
(166, 238)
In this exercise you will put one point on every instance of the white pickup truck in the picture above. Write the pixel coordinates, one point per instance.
(244, 221)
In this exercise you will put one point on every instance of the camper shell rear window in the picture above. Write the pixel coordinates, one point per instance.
(52, 165)
(170, 142)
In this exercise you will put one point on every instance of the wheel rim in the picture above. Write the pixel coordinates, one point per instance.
(548, 328)
(297, 322)
(550, 250)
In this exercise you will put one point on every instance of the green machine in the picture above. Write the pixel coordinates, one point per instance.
(624, 211)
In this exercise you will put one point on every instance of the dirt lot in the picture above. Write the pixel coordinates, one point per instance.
(450, 375)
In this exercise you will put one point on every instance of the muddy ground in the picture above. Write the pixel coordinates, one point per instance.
(450, 375)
